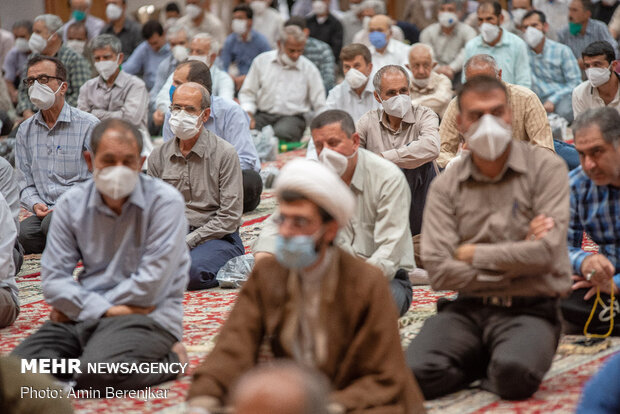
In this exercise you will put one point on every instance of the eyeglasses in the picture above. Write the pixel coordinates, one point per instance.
(296, 221)
(188, 108)
(42, 79)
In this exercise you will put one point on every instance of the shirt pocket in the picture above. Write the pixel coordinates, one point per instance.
(363, 238)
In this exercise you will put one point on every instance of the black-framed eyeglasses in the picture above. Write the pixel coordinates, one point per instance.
(42, 79)
(187, 108)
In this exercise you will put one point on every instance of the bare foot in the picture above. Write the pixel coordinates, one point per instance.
(179, 349)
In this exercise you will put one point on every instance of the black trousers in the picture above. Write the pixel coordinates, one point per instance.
(509, 349)
(252, 189)
(33, 233)
(286, 127)
(129, 338)
(419, 179)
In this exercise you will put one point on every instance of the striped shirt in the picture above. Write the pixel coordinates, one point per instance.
(319, 53)
(51, 159)
(595, 210)
(595, 30)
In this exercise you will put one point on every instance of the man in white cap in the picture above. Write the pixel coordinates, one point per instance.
(316, 304)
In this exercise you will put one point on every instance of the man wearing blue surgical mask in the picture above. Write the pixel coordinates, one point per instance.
(385, 50)
(80, 12)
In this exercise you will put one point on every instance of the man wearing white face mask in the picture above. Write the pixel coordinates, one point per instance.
(508, 49)
(127, 229)
(115, 93)
(266, 20)
(404, 133)
(206, 170)
(17, 57)
(519, 9)
(448, 38)
(47, 40)
(428, 88)
(478, 239)
(603, 85)
(325, 26)
(120, 25)
(80, 12)
(49, 148)
(198, 19)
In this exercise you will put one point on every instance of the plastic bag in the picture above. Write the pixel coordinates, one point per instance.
(558, 126)
(266, 143)
(235, 271)
(7, 149)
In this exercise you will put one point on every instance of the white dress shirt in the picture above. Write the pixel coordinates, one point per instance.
(268, 23)
(396, 53)
(585, 97)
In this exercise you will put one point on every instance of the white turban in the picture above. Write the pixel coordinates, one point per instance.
(320, 185)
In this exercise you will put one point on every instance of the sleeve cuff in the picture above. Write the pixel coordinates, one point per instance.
(483, 257)
(192, 239)
(96, 306)
(617, 279)
(391, 155)
(577, 261)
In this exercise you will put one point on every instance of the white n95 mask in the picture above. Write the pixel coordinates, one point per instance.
(518, 15)
(201, 58)
(239, 26)
(42, 96)
(397, 105)
(106, 68)
(115, 182)
(37, 43)
(21, 45)
(421, 83)
(184, 125)
(533, 37)
(258, 6)
(335, 161)
(355, 78)
(192, 11)
(489, 32)
(113, 12)
(598, 76)
(488, 137)
(76, 45)
(180, 53)
(447, 19)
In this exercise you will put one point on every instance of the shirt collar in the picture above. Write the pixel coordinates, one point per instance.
(409, 118)
(63, 116)
(357, 181)
(120, 81)
(200, 146)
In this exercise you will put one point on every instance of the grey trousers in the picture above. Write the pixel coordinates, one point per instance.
(288, 128)
(8, 308)
(509, 349)
(33, 232)
(130, 338)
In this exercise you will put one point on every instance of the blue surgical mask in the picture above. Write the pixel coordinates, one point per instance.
(296, 252)
(172, 89)
(378, 39)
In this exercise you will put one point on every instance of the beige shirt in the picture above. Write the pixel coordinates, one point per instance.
(464, 207)
(415, 143)
(585, 97)
(379, 230)
(209, 179)
(529, 123)
(436, 95)
(210, 24)
(449, 49)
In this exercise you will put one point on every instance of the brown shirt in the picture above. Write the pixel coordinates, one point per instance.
(209, 179)
(464, 207)
(362, 354)
(529, 123)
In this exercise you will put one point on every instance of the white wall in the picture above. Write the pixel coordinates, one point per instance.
(14, 10)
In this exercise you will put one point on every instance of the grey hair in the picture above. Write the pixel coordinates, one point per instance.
(460, 4)
(481, 60)
(376, 81)
(291, 31)
(377, 5)
(205, 101)
(52, 22)
(215, 45)
(607, 119)
(428, 48)
(175, 30)
(104, 40)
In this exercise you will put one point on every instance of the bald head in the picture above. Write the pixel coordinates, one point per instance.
(380, 23)
(482, 65)
(192, 93)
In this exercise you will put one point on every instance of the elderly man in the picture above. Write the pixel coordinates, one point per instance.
(482, 236)
(9, 300)
(376, 233)
(80, 12)
(228, 121)
(206, 171)
(48, 149)
(404, 133)
(115, 93)
(594, 204)
(428, 88)
(555, 72)
(316, 304)
(509, 51)
(127, 30)
(602, 87)
(384, 49)
(448, 38)
(128, 230)
(46, 40)
(149, 54)
(198, 19)
(529, 118)
(582, 30)
(282, 87)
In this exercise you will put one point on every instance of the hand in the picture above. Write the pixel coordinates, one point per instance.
(121, 310)
(549, 107)
(238, 81)
(260, 256)
(158, 118)
(58, 316)
(446, 70)
(252, 121)
(599, 268)
(465, 253)
(582, 282)
(41, 210)
(539, 227)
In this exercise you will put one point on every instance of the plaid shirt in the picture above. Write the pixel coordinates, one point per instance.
(78, 72)
(555, 72)
(51, 159)
(595, 210)
(321, 55)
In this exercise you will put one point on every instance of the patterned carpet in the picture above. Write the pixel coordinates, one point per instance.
(206, 311)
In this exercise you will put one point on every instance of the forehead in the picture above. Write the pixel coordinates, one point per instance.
(534, 18)
(419, 54)
(39, 25)
(200, 43)
(593, 59)
(181, 74)
(117, 142)
(378, 23)
(393, 80)
(482, 101)
(333, 130)
(178, 36)
(485, 11)
(300, 208)
(42, 68)
(589, 136)
(187, 95)
(356, 59)
(76, 29)
(293, 44)
(520, 3)
(576, 5)
(240, 14)
(103, 51)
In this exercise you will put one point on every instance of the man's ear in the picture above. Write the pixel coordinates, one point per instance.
(377, 96)
(120, 58)
(499, 75)
(501, 19)
(142, 159)
(89, 161)
(356, 139)
(331, 230)
(206, 115)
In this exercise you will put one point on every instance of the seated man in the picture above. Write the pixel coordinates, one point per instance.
(603, 85)
(428, 88)
(115, 93)
(594, 203)
(77, 37)
(376, 233)
(404, 133)
(9, 300)
(529, 119)
(16, 59)
(324, 26)
(149, 54)
(312, 305)
(80, 13)
(205, 169)
(385, 50)
(504, 325)
(228, 121)
(9, 189)
(282, 87)
(128, 230)
(48, 148)
(122, 26)
(198, 19)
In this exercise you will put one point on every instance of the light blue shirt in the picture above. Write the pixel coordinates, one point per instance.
(595, 30)
(137, 258)
(231, 123)
(241, 52)
(511, 56)
(8, 234)
(51, 159)
(555, 72)
(146, 61)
